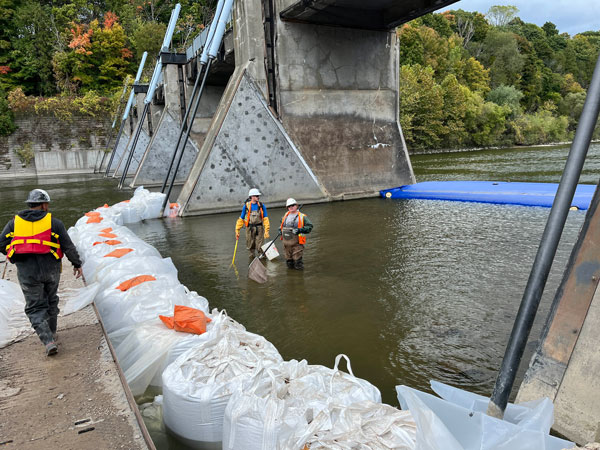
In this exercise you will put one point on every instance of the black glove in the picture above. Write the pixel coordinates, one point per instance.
(296, 231)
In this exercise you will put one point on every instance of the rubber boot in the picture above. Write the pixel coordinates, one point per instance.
(53, 323)
(298, 264)
(290, 263)
(45, 334)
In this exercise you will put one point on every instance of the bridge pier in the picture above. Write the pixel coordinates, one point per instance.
(311, 112)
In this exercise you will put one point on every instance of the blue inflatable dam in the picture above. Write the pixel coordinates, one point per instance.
(501, 192)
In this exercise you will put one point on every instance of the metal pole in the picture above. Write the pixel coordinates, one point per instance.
(187, 135)
(112, 154)
(547, 249)
(134, 143)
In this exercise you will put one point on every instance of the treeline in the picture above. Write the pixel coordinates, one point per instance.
(62, 50)
(474, 80)
(466, 79)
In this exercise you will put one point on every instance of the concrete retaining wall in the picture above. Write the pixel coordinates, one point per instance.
(50, 146)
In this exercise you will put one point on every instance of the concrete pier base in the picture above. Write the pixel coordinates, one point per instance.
(153, 167)
(246, 147)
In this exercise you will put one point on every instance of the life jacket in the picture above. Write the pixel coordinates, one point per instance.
(301, 237)
(248, 211)
(34, 238)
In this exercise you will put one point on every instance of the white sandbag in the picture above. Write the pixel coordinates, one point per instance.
(285, 398)
(76, 299)
(14, 324)
(143, 302)
(198, 385)
(442, 425)
(365, 425)
(145, 350)
(93, 264)
(124, 269)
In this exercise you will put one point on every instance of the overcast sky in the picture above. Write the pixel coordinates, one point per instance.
(570, 16)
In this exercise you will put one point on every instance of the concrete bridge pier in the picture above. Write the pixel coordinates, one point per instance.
(154, 162)
(310, 112)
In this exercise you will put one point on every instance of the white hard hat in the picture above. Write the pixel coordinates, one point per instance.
(38, 196)
(253, 191)
(290, 202)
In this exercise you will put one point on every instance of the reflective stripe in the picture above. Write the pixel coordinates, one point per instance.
(55, 254)
(18, 241)
(10, 253)
(50, 244)
(33, 241)
(11, 234)
(54, 235)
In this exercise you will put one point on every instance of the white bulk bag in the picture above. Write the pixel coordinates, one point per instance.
(285, 400)
(198, 385)
(14, 324)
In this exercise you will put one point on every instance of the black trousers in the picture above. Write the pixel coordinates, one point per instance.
(39, 277)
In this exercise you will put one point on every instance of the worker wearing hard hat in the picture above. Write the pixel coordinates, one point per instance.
(254, 217)
(294, 228)
(35, 242)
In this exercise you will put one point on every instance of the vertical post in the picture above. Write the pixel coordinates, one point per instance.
(547, 249)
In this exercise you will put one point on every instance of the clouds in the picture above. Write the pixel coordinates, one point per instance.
(570, 16)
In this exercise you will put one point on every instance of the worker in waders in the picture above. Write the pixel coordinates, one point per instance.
(35, 242)
(254, 217)
(294, 228)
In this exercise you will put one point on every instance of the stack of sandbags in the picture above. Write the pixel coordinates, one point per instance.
(197, 385)
(14, 324)
(285, 399)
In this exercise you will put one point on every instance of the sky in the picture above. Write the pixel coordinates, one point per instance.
(570, 16)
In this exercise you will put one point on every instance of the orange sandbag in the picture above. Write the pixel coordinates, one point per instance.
(106, 230)
(125, 285)
(107, 235)
(108, 242)
(187, 320)
(95, 219)
(168, 321)
(92, 214)
(118, 252)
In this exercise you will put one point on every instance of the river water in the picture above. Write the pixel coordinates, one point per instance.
(410, 290)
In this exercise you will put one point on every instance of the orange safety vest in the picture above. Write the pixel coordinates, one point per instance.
(301, 237)
(247, 216)
(34, 238)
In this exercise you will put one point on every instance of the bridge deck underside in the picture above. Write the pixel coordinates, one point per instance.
(372, 15)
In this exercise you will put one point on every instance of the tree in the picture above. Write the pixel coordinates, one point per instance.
(148, 37)
(501, 15)
(508, 96)
(501, 55)
(421, 107)
(7, 120)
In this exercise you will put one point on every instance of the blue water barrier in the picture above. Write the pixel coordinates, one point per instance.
(500, 192)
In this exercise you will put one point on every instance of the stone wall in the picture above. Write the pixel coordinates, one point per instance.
(46, 145)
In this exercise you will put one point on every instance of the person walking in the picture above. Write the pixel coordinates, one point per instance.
(294, 228)
(35, 242)
(254, 217)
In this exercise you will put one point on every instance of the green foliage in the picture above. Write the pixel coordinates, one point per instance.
(7, 119)
(508, 96)
(148, 37)
(540, 128)
(501, 15)
(25, 153)
(62, 107)
(501, 55)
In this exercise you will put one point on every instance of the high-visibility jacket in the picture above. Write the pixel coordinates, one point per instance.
(249, 210)
(301, 237)
(34, 238)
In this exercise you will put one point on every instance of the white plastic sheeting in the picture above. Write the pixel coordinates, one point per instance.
(14, 324)
(198, 385)
(445, 425)
(284, 399)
